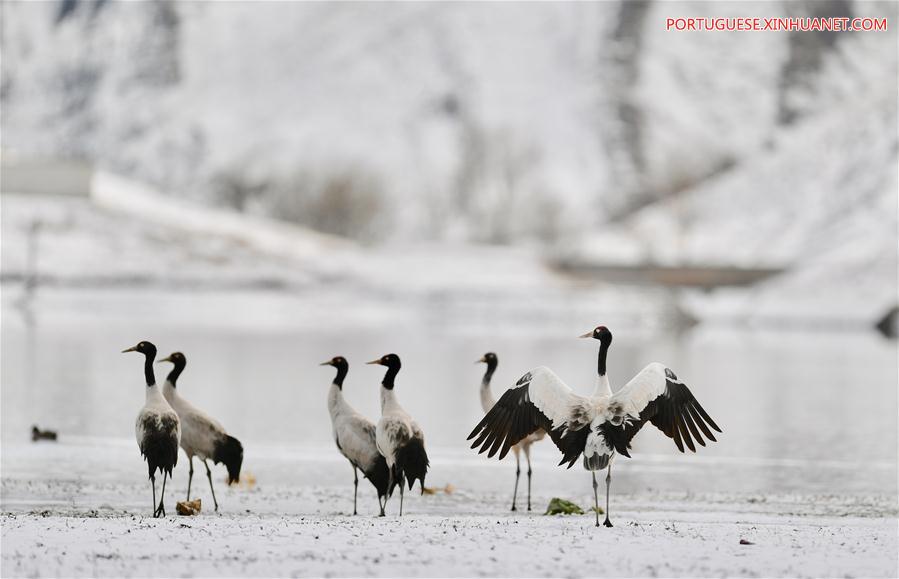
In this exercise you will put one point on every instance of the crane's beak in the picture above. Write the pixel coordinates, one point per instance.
(587, 335)
(328, 363)
(481, 361)
(131, 349)
(166, 359)
(378, 361)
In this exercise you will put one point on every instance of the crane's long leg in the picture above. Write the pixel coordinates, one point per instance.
(382, 502)
(190, 475)
(153, 482)
(355, 487)
(402, 488)
(607, 523)
(389, 487)
(517, 475)
(527, 455)
(161, 508)
(595, 497)
(209, 476)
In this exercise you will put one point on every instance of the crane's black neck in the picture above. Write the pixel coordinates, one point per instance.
(148, 368)
(342, 370)
(603, 352)
(488, 375)
(387, 382)
(176, 371)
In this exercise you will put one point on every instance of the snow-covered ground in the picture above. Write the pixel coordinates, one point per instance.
(80, 508)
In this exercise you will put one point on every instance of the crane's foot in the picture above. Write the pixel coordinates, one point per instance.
(607, 522)
(514, 508)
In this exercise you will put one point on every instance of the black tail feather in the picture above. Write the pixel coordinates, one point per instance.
(412, 462)
(229, 451)
(596, 461)
(161, 452)
(379, 476)
(397, 475)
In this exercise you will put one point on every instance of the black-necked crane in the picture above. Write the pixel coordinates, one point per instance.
(487, 402)
(157, 428)
(201, 435)
(597, 426)
(399, 438)
(354, 435)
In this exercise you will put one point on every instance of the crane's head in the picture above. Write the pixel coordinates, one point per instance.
(489, 358)
(176, 358)
(337, 361)
(144, 347)
(179, 361)
(600, 333)
(390, 360)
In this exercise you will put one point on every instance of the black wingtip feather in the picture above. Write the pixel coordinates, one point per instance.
(685, 434)
(480, 439)
(480, 427)
(699, 422)
(498, 428)
(688, 420)
(705, 415)
(676, 436)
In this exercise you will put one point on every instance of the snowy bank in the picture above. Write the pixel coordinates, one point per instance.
(81, 509)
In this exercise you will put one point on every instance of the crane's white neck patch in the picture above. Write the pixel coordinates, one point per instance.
(603, 388)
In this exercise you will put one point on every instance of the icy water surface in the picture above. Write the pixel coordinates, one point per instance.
(801, 412)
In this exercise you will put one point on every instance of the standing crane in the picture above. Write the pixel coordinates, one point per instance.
(400, 440)
(487, 402)
(201, 435)
(157, 429)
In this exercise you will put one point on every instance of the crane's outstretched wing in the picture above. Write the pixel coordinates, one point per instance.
(657, 396)
(539, 400)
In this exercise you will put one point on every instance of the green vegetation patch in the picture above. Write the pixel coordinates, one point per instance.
(559, 506)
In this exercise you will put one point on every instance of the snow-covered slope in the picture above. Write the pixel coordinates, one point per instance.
(818, 199)
(429, 116)
(416, 120)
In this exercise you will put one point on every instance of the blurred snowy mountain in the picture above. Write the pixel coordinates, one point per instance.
(585, 128)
